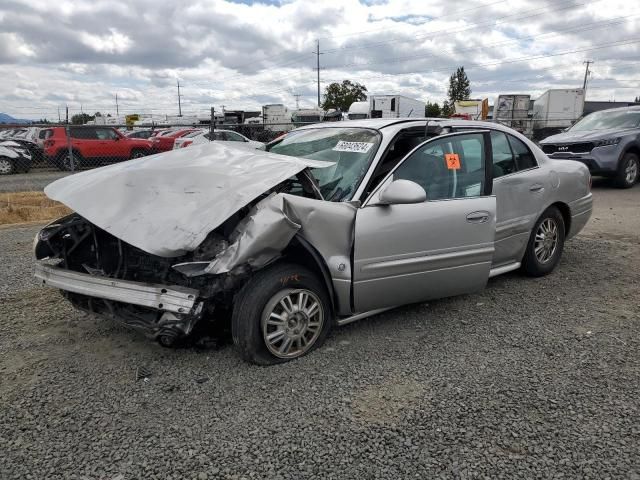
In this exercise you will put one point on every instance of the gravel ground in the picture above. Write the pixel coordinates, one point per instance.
(532, 378)
(27, 182)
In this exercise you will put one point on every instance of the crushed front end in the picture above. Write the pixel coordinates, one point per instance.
(102, 274)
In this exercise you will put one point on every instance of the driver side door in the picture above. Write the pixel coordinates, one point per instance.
(412, 252)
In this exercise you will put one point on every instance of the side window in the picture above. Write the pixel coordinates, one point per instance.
(234, 137)
(524, 156)
(83, 133)
(393, 104)
(503, 161)
(450, 167)
(106, 134)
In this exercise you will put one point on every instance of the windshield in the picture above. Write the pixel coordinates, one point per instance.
(350, 149)
(608, 119)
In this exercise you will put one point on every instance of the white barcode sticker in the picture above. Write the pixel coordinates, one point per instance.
(358, 147)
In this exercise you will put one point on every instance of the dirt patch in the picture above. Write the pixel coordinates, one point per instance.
(386, 403)
(20, 207)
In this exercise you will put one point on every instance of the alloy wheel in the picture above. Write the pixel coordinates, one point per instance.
(292, 322)
(5, 166)
(546, 242)
(631, 171)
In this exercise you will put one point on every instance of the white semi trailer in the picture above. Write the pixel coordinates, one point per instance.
(556, 110)
(387, 106)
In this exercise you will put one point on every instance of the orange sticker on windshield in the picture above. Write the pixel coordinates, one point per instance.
(453, 161)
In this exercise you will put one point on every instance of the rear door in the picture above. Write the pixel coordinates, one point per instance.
(520, 188)
(85, 141)
(408, 253)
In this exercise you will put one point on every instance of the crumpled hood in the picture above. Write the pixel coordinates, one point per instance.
(166, 204)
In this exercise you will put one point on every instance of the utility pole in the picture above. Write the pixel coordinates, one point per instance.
(59, 119)
(117, 109)
(586, 75)
(67, 115)
(297, 95)
(179, 102)
(318, 67)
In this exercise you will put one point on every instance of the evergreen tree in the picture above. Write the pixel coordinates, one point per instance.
(459, 88)
(432, 110)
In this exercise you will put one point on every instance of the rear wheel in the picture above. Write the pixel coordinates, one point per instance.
(545, 244)
(69, 161)
(628, 171)
(6, 166)
(282, 313)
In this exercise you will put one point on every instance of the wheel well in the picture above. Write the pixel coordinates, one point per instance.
(300, 251)
(63, 151)
(632, 149)
(566, 215)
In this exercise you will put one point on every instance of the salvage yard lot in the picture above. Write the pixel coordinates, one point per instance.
(529, 378)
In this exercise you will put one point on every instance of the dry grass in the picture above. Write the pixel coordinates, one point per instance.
(20, 207)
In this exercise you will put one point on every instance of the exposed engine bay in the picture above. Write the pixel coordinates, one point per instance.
(256, 235)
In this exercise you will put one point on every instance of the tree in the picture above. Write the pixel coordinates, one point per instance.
(458, 86)
(432, 110)
(447, 109)
(637, 100)
(341, 95)
(81, 118)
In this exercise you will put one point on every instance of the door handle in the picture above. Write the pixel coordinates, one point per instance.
(478, 217)
(537, 187)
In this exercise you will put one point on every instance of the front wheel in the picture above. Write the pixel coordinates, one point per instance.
(282, 313)
(6, 166)
(138, 153)
(545, 244)
(628, 171)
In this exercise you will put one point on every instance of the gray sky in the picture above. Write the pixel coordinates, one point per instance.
(243, 54)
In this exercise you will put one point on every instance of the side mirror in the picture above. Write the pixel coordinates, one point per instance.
(402, 192)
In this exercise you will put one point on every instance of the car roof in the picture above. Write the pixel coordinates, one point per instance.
(381, 123)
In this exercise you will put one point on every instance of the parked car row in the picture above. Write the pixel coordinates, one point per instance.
(14, 157)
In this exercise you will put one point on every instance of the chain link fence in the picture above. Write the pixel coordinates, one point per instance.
(78, 147)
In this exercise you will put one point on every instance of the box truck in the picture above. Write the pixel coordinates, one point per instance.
(556, 110)
(276, 118)
(513, 111)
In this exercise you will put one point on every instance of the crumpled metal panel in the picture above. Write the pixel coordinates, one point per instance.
(272, 223)
(166, 204)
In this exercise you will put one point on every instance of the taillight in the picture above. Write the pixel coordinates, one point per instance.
(186, 143)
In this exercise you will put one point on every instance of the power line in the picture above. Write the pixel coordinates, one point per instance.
(588, 26)
(472, 26)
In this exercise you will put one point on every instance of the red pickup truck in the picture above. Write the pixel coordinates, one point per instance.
(91, 146)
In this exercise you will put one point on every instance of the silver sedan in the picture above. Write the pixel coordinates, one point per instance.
(334, 223)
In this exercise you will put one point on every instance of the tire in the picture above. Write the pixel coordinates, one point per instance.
(628, 171)
(6, 166)
(68, 162)
(138, 153)
(258, 313)
(549, 251)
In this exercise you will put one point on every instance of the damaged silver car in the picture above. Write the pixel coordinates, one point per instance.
(330, 225)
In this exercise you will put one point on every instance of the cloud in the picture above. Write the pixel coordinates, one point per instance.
(243, 54)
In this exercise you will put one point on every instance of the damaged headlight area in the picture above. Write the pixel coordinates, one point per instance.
(101, 274)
